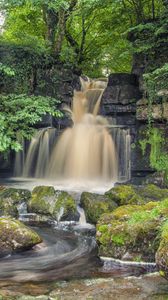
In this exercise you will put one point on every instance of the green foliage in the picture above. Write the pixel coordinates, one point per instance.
(157, 83)
(18, 115)
(5, 70)
(158, 152)
(88, 35)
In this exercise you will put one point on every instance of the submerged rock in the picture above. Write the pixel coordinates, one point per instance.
(56, 204)
(10, 198)
(132, 231)
(15, 236)
(130, 194)
(95, 205)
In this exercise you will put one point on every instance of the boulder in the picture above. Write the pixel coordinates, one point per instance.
(132, 231)
(56, 204)
(15, 236)
(136, 195)
(152, 192)
(10, 198)
(124, 194)
(95, 205)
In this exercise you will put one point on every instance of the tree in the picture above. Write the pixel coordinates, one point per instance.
(88, 35)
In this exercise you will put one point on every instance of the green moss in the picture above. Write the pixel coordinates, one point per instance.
(128, 194)
(17, 195)
(135, 229)
(46, 201)
(42, 200)
(96, 205)
(15, 236)
(66, 201)
(124, 194)
(124, 212)
(10, 198)
(153, 193)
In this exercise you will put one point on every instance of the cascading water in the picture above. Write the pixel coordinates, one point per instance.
(90, 150)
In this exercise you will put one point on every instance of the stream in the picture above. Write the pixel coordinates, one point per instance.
(66, 266)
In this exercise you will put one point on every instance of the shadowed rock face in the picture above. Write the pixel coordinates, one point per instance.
(15, 236)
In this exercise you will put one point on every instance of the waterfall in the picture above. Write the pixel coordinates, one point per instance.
(91, 149)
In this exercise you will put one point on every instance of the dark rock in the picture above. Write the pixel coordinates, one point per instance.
(122, 79)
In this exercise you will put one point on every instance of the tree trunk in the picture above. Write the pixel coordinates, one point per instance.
(60, 33)
(51, 19)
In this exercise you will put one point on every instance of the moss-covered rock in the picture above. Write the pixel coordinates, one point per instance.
(124, 194)
(56, 204)
(65, 201)
(132, 231)
(152, 192)
(129, 194)
(95, 205)
(15, 236)
(162, 253)
(10, 198)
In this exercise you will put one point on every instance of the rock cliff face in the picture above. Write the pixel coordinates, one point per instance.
(119, 104)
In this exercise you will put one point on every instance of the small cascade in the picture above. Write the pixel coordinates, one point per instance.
(60, 214)
(82, 218)
(122, 140)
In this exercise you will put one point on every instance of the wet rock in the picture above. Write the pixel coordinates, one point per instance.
(95, 205)
(56, 204)
(10, 198)
(132, 229)
(130, 194)
(15, 236)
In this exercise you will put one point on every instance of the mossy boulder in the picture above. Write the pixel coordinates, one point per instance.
(152, 192)
(95, 205)
(132, 231)
(10, 198)
(129, 194)
(15, 236)
(162, 253)
(56, 204)
(124, 194)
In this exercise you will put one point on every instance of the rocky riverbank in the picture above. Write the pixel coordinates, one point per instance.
(131, 221)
